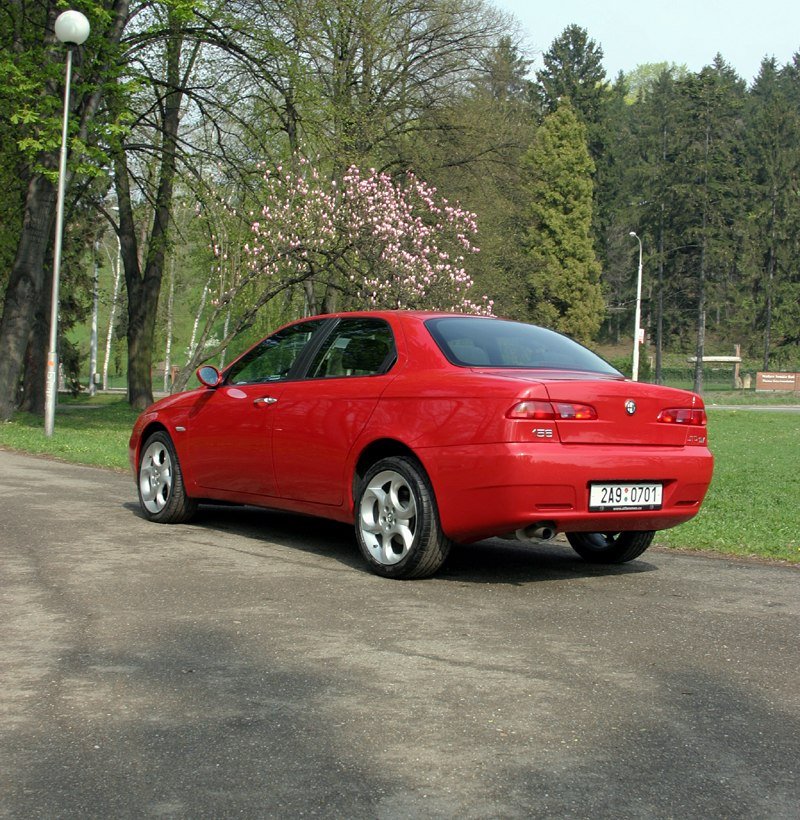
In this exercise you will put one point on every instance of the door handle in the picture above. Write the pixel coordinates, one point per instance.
(265, 400)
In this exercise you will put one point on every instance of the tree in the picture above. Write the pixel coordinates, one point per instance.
(341, 80)
(475, 159)
(573, 69)
(31, 68)
(503, 74)
(655, 212)
(643, 80)
(709, 186)
(773, 141)
(186, 68)
(390, 244)
(564, 281)
(372, 82)
(144, 268)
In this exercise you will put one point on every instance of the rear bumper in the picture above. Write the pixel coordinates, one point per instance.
(489, 490)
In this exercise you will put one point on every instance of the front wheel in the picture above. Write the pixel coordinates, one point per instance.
(397, 523)
(162, 494)
(610, 548)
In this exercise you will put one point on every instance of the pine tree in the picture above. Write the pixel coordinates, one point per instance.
(564, 279)
(573, 68)
(711, 189)
(773, 142)
(660, 222)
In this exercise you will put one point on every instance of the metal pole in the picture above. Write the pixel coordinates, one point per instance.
(51, 379)
(638, 316)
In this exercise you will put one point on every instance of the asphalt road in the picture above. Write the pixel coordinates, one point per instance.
(248, 666)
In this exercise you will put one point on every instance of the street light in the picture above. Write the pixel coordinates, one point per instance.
(72, 29)
(637, 320)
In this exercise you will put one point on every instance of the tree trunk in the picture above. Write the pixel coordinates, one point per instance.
(770, 282)
(700, 348)
(117, 267)
(25, 288)
(33, 392)
(144, 287)
(170, 308)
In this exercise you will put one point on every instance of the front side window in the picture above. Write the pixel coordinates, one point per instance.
(357, 347)
(273, 358)
(482, 342)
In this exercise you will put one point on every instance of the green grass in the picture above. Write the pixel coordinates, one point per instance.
(753, 504)
(752, 507)
(86, 431)
(761, 398)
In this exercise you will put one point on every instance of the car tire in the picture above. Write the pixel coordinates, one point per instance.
(397, 521)
(610, 548)
(162, 493)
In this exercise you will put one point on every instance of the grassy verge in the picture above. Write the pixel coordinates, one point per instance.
(753, 504)
(750, 397)
(92, 432)
(752, 508)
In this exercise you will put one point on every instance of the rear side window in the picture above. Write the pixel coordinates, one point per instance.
(356, 347)
(481, 342)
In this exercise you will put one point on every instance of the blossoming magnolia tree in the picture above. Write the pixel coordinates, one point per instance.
(380, 243)
(365, 241)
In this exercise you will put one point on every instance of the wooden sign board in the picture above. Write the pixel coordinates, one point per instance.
(777, 381)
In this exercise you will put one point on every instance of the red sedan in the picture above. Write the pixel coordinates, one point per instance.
(428, 429)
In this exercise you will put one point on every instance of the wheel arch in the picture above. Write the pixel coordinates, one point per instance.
(375, 451)
(153, 426)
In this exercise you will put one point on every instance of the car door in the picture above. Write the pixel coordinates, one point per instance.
(230, 428)
(318, 419)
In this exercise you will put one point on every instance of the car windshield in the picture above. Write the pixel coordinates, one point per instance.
(484, 342)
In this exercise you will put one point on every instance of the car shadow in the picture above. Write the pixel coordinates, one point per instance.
(497, 561)
(493, 561)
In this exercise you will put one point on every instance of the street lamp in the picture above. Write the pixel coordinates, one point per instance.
(72, 29)
(637, 320)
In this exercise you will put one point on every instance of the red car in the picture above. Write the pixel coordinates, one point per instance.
(428, 429)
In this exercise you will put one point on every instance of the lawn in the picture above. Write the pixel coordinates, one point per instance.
(753, 505)
(92, 432)
(752, 508)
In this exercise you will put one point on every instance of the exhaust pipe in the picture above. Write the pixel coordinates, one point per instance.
(540, 531)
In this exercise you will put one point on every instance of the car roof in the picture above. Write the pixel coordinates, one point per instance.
(420, 315)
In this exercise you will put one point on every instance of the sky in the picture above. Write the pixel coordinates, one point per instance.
(689, 32)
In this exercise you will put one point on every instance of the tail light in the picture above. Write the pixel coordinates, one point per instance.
(556, 411)
(683, 415)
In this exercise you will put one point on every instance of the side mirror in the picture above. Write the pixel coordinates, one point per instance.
(208, 375)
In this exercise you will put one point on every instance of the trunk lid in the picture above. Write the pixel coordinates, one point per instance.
(627, 412)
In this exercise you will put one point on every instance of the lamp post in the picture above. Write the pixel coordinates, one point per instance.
(638, 317)
(72, 29)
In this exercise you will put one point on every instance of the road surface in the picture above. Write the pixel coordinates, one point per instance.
(247, 665)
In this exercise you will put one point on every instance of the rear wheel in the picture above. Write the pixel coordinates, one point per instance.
(397, 523)
(162, 494)
(610, 547)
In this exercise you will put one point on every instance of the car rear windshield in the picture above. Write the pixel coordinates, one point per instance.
(483, 342)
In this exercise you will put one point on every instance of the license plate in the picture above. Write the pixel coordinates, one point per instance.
(611, 497)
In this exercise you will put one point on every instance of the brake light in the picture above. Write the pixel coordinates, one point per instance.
(533, 410)
(580, 412)
(545, 411)
(683, 415)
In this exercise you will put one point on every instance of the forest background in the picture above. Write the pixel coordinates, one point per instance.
(236, 165)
